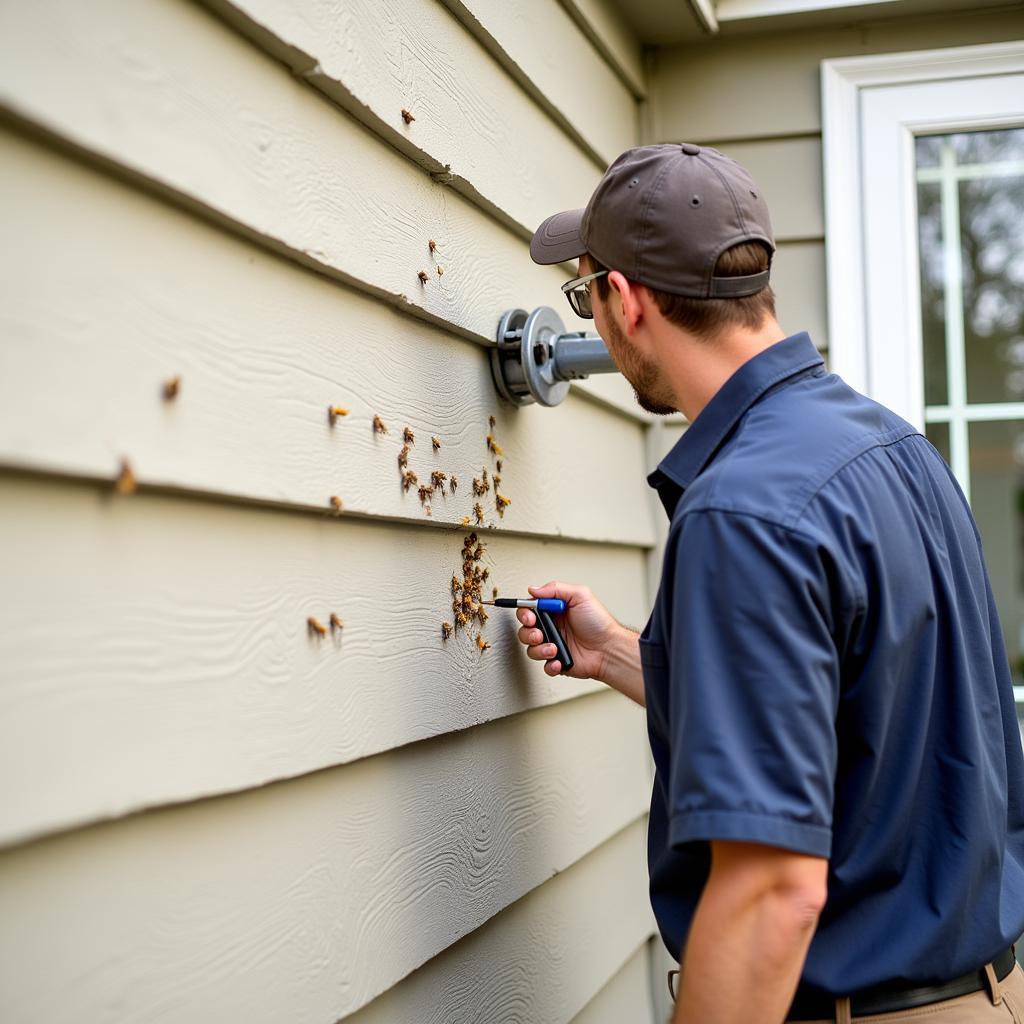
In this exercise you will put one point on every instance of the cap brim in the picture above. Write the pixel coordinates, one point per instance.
(558, 238)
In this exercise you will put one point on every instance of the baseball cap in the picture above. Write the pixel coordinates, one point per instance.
(662, 215)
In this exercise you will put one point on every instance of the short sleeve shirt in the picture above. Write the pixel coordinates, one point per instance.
(824, 672)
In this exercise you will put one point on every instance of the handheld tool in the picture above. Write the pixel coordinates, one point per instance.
(544, 607)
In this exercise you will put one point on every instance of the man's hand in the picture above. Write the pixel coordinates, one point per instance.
(750, 935)
(601, 648)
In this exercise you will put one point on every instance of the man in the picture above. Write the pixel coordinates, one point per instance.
(836, 824)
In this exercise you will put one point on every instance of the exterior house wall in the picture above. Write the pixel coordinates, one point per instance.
(210, 811)
(757, 98)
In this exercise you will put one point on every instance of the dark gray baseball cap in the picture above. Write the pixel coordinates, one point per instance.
(662, 215)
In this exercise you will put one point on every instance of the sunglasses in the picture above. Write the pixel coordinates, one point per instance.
(578, 294)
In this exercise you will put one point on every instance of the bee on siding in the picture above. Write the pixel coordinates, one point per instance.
(425, 492)
(337, 504)
(315, 626)
(496, 480)
(478, 511)
(336, 622)
(407, 116)
(446, 630)
(492, 422)
(409, 480)
(171, 387)
(481, 642)
(494, 593)
(440, 271)
(126, 483)
(408, 436)
(478, 552)
(379, 426)
(436, 442)
(485, 575)
(498, 465)
(437, 478)
(403, 456)
(465, 520)
(454, 483)
(334, 411)
(481, 614)
(423, 276)
(502, 503)
(432, 245)
(456, 585)
(481, 486)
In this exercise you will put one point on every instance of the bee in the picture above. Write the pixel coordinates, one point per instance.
(425, 491)
(454, 483)
(465, 520)
(171, 387)
(403, 456)
(481, 642)
(478, 511)
(456, 586)
(494, 593)
(334, 411)
(502, 503)
(336, 504)
(499, 465)
(378, 425)
(431, 245)
(428, 509)
(336, 622)
(479, 552)
(436, 442)
(446, 630)
(481, 614)
(461, 620)
(485, 574)
(423, 276)
(492, 422)
(494, 446)
(409, 479)
(471, 539)
(316, 626)
(496, 480)
(407, 117)
(126, 482)
(440, 271)
(437, 478)
(408, 436)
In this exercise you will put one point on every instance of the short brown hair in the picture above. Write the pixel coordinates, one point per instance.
(706, 318)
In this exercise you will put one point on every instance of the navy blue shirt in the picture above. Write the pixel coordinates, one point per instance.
(824, 672)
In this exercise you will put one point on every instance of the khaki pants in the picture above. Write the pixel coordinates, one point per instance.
(1001, 1003)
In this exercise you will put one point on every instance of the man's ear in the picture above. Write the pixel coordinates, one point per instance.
(629, 298)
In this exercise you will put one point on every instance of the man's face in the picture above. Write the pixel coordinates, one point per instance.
(649, 385)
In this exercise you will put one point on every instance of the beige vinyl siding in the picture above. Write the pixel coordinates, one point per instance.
(757, 98)
(627, 996)
(210, 812)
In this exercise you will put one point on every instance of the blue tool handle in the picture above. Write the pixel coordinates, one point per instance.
(551, 604)
(552, 634)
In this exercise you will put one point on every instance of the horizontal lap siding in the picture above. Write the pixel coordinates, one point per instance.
(303, 900)
(626, 996)
(262, 349)
(706, 93)
(227, 193)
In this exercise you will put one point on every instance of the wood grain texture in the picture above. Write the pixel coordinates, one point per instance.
(262, 349)
(540, 45)
(171, 636)
(705, 90)
(181, 100)
(304, 900)
(604, 24)
(626, 996)
(544, 957)
(473, 124)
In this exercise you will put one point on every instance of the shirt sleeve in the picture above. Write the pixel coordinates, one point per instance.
(754, 684)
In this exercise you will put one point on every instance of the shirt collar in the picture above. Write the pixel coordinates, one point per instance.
(793, 356)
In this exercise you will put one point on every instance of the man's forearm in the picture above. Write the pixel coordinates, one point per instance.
(621, 668)
(744, 955)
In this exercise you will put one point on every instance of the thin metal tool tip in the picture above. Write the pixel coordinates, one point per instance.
(487, 602)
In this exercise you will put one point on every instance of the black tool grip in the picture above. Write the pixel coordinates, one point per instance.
(553, 635)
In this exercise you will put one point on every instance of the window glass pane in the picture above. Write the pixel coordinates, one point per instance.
(992, 246)
(997, 499)
(938, 434)
(933, 305)
(927, 150)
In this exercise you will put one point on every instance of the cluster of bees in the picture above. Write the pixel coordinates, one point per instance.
(467, 593)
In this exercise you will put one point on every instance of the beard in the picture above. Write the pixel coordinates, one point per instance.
(648, 385)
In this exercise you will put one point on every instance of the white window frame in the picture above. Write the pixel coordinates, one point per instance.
(842, 83)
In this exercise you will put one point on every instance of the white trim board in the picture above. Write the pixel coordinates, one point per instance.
(844, 82)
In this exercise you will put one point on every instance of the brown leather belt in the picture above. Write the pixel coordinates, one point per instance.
(813, 1005)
